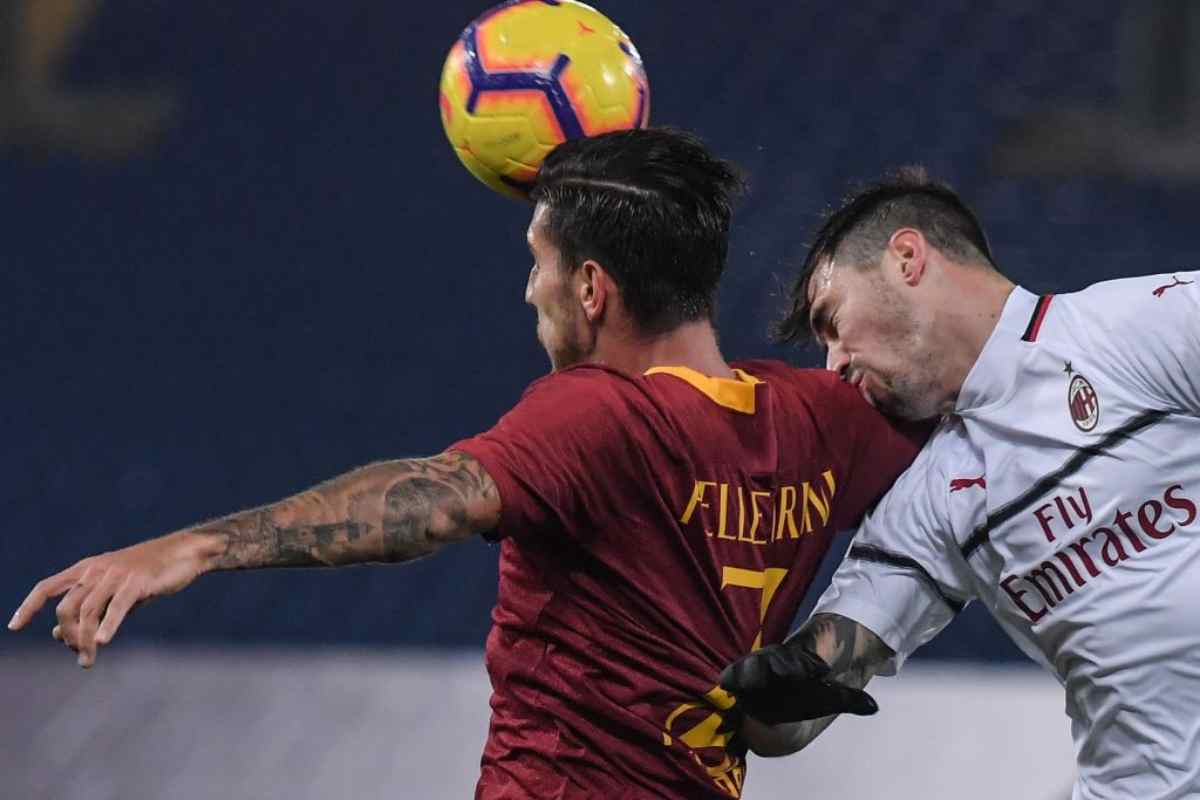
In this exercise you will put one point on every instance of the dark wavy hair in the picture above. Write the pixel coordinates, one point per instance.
(652, 207)
(856, 233)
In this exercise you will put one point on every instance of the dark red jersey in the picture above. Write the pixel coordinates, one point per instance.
(656, 528)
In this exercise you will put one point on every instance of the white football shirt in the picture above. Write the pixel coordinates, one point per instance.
(1064, 494)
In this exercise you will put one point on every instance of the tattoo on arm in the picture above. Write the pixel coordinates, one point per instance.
(386, 512)
(854, 654)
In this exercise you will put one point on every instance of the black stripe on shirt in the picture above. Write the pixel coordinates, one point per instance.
(1035, 321)
(866, 552)
(1053, 479)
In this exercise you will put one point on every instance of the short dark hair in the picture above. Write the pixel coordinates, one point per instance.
(856, 233)
(653, 208)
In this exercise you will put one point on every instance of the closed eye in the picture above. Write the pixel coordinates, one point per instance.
(823, 327)
(816, 324)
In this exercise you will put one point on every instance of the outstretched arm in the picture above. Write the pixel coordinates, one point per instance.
(791, 692)
(386, 512)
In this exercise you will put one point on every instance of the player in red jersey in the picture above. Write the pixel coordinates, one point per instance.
(661, 512)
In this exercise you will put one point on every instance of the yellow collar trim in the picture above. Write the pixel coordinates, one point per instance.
(737, 395)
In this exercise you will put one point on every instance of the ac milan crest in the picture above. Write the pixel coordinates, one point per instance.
(1083, 403)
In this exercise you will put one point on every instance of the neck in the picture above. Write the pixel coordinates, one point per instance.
(692, 345)
(966, 326)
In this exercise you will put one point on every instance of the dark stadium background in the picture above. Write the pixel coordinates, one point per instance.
(298, 277)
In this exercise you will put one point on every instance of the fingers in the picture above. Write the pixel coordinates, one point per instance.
(92, 608)
(80, 610)
(67, 612)
(815, 700)
(848, 700)
(122, 602)
(57, 634)
(780, 684)
(43, 591)
(774, 667)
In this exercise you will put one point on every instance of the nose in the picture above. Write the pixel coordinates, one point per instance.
(837, 360)
(529, 286)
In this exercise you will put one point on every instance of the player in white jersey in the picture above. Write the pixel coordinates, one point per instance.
(1061, 488)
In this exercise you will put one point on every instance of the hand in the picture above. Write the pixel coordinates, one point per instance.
(101, 590)
(788, 683)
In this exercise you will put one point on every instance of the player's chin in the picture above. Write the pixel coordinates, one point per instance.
(893, 405)
(906, 409)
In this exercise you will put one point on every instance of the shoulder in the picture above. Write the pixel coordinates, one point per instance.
(586, 385)
(1133, 329)
(591, 400)
(831, 401)
(946, 450)
(826, 396)
(947, 457)
(1130, 304)
(917, 516)
(811, 382)
(1117, 292)
(767, 369)
(566, 417)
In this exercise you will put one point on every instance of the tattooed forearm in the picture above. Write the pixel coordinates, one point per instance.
(854, 654)
(386, 512)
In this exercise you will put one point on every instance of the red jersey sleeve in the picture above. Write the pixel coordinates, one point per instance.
(544, 454)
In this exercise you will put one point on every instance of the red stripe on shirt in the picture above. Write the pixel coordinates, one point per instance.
(1039, 315)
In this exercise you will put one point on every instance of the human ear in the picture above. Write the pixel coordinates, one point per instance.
(911, 251)
(592, 290)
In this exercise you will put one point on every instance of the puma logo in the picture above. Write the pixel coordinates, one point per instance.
(1160, 290)
(958, 484)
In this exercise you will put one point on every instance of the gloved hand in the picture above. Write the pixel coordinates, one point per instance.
(788, 683)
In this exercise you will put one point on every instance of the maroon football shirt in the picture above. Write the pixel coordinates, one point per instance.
(656, 528)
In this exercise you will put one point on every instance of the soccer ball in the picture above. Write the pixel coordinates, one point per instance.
(530, 74)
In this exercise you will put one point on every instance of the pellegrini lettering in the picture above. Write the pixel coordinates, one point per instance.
(1040, 590)
(744, 514)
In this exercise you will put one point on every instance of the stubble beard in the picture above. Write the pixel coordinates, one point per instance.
(569, 350)
(914, 395)
(910, 400)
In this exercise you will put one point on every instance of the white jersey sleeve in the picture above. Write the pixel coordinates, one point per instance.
(904, 578)
(1148, 330)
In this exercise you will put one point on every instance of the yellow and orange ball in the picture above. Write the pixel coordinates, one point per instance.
(530, 74)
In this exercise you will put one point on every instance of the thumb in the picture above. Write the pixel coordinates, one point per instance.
(848, 700)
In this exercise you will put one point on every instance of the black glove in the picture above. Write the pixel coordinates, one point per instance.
(788, 683)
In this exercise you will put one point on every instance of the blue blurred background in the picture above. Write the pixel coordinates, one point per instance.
(284, 272)
(239, 257)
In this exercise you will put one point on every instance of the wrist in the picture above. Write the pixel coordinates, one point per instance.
(200, 548)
